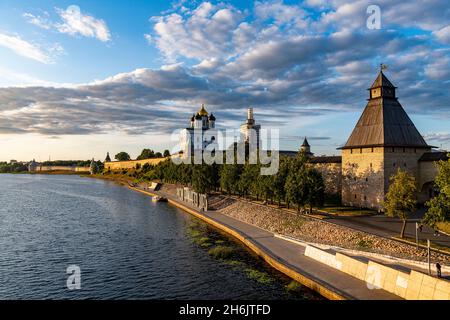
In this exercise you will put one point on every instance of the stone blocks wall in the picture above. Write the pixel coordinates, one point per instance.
(363, 177)
(331, 174)
(132, 164)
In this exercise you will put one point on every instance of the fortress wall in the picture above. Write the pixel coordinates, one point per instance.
(403, 158)
(363, 177)
(119, 165)
(332, 176)
(427, 172)
(61, 168)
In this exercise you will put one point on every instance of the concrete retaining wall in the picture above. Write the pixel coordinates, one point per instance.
(323, 256)
(351, 266)
(411, 286)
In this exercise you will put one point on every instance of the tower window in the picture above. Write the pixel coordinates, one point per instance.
(371, 165)
(372, 150)
(355, 196)
(404, 164)
(360, 150)
(404, 150)
(394, 164)
(367, 179)
(393, 149)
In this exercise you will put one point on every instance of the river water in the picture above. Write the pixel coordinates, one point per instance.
(125, 246)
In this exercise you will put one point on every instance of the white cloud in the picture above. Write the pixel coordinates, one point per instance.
(25, 48)
(75, 22)
(39, 21)
(438, 69)
(199, 34)
(443, 35)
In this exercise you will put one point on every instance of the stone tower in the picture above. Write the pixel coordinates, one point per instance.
(305, 148)
(250, 131)
(383, 140)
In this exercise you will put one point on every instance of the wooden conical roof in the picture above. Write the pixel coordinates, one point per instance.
(384, 122)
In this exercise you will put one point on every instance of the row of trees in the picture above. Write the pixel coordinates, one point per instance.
(13, 167)
(401, 197)
(145, 154)
(295, 183)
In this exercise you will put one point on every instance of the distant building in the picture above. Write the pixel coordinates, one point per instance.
(32, 166)
(108, 158)
(93, 167)
(305, 148)
(250, 131)
(200, 134)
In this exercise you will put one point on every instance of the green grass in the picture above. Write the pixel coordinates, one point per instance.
(347, 211)
(294, 287)
(222, 252)
(365, 244)
(259, 276)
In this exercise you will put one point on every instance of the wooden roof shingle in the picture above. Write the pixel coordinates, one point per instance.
(384, 122)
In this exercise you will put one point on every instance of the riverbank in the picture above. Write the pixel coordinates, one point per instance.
(261, 228)
(309, 229)
(285, 256)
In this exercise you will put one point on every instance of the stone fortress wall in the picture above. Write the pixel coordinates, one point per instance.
(132, 164)
(363, 177)
(332, 176)
(41, 168)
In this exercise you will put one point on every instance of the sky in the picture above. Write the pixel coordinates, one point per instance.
(80, 78)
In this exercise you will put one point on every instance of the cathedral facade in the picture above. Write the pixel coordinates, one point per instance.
(200, 134)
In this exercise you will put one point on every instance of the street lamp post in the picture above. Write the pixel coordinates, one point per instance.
(428, 253)
(417, 235)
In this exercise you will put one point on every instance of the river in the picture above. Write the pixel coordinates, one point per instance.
(125, 246)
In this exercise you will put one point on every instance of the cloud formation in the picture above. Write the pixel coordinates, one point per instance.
(27, 49)
(73, 22)
(303, 60)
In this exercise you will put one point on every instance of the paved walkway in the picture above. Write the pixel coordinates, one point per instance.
(292, 255)
(384, 226)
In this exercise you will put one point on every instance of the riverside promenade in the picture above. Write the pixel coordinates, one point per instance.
(286, 256)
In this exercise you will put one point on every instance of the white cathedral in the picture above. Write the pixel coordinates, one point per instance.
(200, 134)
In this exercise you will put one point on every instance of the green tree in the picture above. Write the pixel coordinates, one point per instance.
(439, 206)
(166, 153)
(122, 156)
(229, 177)
(202, 178)
(247, 179)
(401, 197)
(314, 188)
(146, 154)
(279, 180)
(295, 186)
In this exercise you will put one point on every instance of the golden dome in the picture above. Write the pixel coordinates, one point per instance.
(203, 111)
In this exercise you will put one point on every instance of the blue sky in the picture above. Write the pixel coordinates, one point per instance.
(79, 78)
